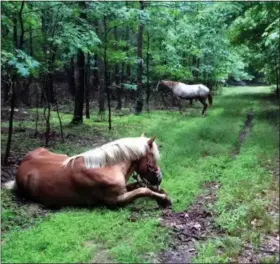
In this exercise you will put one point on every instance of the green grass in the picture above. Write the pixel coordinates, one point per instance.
(243, 200)
(195, 149)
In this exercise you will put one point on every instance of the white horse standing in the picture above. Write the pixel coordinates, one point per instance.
(188, 92)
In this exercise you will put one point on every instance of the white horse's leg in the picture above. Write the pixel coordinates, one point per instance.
(191, 102)
(128, 197)
(203, 101)
(181, 109)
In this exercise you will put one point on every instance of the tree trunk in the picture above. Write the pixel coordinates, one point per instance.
(15, 32)
(101, 99)
(49, 87)
(95, 81)
(80, 88)
(6, 84)
(106, 72)
(79, 93)
(18, 45)
(139, 93)
(11, 119)
(148, 72)
(128, 67)
(71, 77)
(87, 84)
(277, 83)
(117, 75)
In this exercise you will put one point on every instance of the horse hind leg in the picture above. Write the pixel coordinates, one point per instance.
(180, 105)
(191, 102)
(203, 101)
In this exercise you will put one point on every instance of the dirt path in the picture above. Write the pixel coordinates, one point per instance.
(197, 223)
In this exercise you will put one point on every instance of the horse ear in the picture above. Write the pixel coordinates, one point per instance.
(151, 140)
(143, 134)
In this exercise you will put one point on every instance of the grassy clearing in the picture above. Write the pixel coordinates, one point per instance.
(244, 198)
(194, 150)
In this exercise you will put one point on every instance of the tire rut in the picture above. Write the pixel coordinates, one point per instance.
(197, 223)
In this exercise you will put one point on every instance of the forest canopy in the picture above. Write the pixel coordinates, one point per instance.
(129, 46)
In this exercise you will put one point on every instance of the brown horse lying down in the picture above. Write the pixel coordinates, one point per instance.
(96, 176)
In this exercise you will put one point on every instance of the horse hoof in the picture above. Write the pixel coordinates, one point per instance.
(164, 203)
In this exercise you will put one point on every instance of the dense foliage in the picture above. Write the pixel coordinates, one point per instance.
(189, 41)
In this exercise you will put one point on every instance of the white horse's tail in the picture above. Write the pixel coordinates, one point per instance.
(157, 86)
(10, 185)
(210, 99)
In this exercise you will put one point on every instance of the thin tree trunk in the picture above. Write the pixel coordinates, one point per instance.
(87, 84)
(117, 75)
(95, 81)
(6, 83)
(14, 83)
(139, 92)
(37, 112)
(278, 61)
(60, 122)
(128, 67)
(71, 77)
(148, 72)
(15, 32)
(48, 125)
(11, 119)
(79, 94)
(101, 99)
(21, 39)
(106, 72)
(80, 88)
(98, 74)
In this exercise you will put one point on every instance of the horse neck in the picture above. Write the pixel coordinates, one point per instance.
(169, 84)
(127, 168)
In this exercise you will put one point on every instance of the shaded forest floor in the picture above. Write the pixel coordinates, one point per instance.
(221, 172)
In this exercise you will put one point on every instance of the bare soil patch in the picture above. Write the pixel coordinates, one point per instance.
(196, 223)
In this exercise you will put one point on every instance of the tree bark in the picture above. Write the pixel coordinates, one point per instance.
(11, 119)
(95, 81)
(99, 75)
(18, 45)
(87, 84)
(148, 72)
(80, 88)
(15, 31)
(117, 75)
(128, 67)
(71, 77)
(139, 92)
(106, 72)
(79, 93)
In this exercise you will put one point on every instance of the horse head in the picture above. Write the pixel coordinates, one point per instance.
(159, 86)
(147, 166)
(164, 86)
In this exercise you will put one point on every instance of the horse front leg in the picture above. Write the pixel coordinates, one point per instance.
(132, 186)
(203, 101)
(180, 105)
(129, 197)
(191, 102)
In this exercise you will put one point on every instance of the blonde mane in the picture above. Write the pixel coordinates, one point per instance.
(116, 151)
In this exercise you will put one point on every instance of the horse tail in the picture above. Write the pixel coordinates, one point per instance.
(10, 185)
(210, 98)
